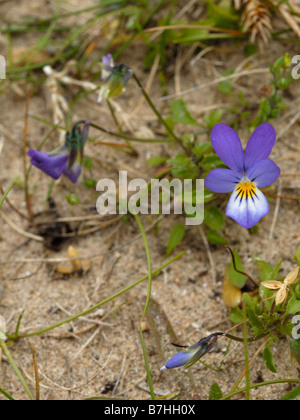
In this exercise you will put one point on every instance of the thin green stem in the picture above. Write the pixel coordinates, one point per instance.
(103, 302)
(147, 364)
(160, 118)
(15, 368)
(7, 395)
(104, 130)
(246, 351)
(6, 193)
(146, 244)
(239, 391)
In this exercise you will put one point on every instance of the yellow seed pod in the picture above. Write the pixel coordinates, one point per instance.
(232, 295)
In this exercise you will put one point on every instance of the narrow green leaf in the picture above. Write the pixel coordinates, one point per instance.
(291, 395)
(239, 280)
(268, 358)
(175, 238)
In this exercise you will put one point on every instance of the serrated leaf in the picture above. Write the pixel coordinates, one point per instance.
(214, 218)
(181, 113)
(176, 237)
(255, 322)
(268, 358)
(215, 393)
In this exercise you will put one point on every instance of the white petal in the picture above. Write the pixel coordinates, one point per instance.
(246, 210)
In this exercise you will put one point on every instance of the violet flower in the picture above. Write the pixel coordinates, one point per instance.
(248, 172)
(67, 159)
(114, 78)
(192, 354)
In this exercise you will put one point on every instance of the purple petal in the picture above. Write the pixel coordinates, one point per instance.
(222, 180)
(179, 359)
(73, 173)
(228, 147)
(263, 173)
(260, 145)
(247, 211)
(108, 62)
(52, 164)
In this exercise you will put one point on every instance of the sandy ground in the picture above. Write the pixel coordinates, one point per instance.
(101, 355)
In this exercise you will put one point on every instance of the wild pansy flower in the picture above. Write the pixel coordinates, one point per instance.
(114, 78)
(192, 354)
(282, 288)
(67, 159)
(248, 172)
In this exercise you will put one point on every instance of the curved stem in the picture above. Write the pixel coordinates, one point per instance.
(239, 391)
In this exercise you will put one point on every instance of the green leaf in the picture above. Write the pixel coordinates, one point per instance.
(212, 162)
(181, 113)
(266, 271)
(72, 199)
(215, 238)
(175, 238)
(156, 161)
(255, 322)
(88, 164)
(225, 86)
(215, 393)
(184, 167)
(293, 306)
(268, 358)
(90, 183)
(236, 316)
(214, 218)
(297, 255)
(239, 280)
(213, 118)
(292, 395)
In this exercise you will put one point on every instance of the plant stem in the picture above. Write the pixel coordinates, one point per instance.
(238, 391)
(142, 230)
(87, 311)
(246, 351)
(147, 364)
(15, 368)
(160, 118)
(6, 193)
(7, 395)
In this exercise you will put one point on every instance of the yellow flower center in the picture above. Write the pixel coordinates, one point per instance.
(246, 189)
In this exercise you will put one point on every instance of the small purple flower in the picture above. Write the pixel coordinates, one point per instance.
(66, 159)
(192, 354)
(114, 78)
(248, 172)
